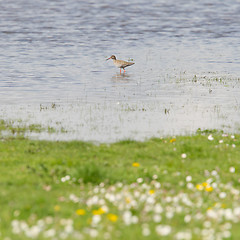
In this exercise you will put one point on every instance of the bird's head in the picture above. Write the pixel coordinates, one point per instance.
(112, 57)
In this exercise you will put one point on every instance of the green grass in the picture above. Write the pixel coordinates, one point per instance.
(34, 186)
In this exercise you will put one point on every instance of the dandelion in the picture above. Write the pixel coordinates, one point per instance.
(151, 192)
(136, 164)
(99, 211)
(173, 140)
(56, 208)
(112, 217)
(208, 189)
(205, 184)
(80, 212)
(199, 187)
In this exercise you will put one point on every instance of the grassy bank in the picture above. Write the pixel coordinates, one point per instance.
(172, 188)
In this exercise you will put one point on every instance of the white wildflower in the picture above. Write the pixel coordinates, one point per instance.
(189, 178)
(146, 232)
(190, 186)
(163, 230)
(93, 233)
(158, 208)
(49, 233)
(222, 195)
(210, 137)
(184, 155)
(187, 218)
(214, 173)
(157, 218)
(183, 236)
(155, 176)
(96, 219)
(157, 185)
(140, 180)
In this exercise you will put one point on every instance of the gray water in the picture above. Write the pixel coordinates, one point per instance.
(186, 73)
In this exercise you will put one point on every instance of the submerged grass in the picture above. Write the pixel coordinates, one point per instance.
(19, 129)
(174, 188)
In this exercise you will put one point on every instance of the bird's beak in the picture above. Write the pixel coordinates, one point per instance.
(108, 58)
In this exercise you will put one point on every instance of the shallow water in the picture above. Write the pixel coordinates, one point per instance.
(186, 74)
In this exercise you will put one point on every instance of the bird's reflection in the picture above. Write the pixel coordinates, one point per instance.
(121, 77)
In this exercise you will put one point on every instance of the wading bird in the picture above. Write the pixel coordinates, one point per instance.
(120, 63)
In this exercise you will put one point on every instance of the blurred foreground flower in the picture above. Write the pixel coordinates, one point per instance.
(112, 217)
(80, 212)
(208, 189)
(210, 137)
(56, 208)
(136, 164)
(163, 230)
(99, 211)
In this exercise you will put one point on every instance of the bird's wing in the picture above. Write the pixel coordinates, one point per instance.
(126, 64)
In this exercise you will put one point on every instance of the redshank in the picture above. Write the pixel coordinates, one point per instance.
(120, 63)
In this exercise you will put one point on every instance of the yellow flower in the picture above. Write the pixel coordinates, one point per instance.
(173, 140)
(151, 191)
(80, 212)
(208, 189)
(56, 208)
(224, 205)
(128, 200)
(199, 187)
(99, 211)
(205, 184)
(112, 217)
(135, 164)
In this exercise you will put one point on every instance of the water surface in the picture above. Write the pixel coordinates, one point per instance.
(186, 74)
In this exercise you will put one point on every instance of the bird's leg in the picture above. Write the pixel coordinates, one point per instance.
(120, 70)
(124, 70)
